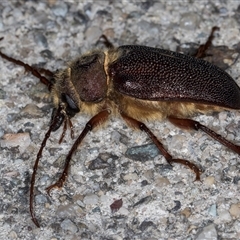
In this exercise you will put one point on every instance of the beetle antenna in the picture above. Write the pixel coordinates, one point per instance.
(55, 120)
(35, 72)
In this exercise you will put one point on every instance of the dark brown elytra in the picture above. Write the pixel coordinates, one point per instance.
(139, 84)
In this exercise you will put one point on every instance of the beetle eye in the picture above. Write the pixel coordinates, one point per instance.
(71, 108)
(71, 104)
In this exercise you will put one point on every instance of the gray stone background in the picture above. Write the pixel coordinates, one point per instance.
(159, 201)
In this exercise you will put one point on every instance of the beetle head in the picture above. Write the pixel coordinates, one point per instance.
(84, 81)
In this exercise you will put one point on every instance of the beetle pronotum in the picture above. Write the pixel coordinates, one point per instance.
(139, 84)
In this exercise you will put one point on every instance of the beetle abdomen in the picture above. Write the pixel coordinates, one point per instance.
(162, 75)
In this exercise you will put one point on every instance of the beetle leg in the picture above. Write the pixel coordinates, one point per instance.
(201, 52)
(35, 72)
(139, 125)
(67, 122)
(191, 124)
(91, 124)
(106, 42)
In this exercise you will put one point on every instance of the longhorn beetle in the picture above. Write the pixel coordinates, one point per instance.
(138, 83)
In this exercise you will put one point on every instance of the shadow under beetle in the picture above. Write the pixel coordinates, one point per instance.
(139, 84)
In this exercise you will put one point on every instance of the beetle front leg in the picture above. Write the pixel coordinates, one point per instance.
(139, 125)
(95, 121)
(192, 124)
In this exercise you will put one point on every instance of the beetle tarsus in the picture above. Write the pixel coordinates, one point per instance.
(190, 165)
(59, 183)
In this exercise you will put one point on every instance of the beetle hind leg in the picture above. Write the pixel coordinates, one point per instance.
(201, 52)
(192, 124)
(139, 125)
(106, 42)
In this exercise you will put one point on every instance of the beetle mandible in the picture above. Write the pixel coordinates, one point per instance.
(139, 84)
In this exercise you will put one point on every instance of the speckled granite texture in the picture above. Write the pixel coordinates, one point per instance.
(159, 201)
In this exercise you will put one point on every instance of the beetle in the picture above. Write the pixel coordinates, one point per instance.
(139, 84)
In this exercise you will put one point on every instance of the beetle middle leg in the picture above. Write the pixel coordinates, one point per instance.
(192, 124)
(139, 125)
